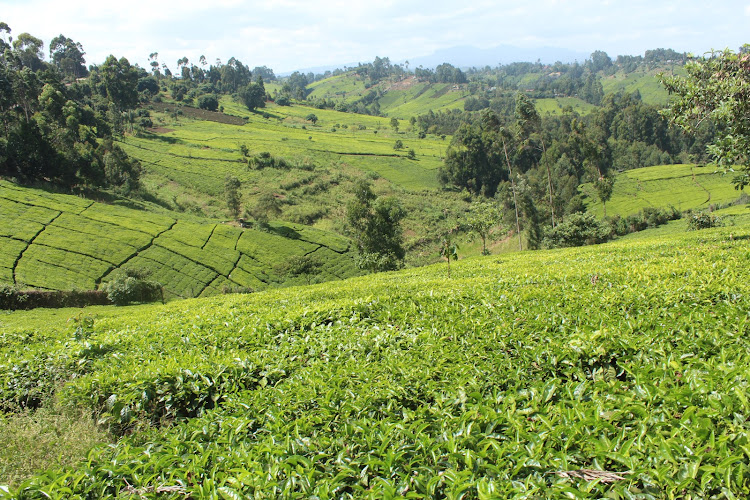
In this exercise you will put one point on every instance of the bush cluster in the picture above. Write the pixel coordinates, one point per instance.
(267, 160)
(133, 285)
(648, 217)
(703, 220)
(13, 299)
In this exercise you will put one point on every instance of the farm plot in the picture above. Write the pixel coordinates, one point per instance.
(611, 371)
(62, 250)
(681, 186)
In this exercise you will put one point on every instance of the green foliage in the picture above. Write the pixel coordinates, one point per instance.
(482, 219)
(254, 96)
(312, 118)
(577, 230)
(449, 249)
(715, 89)
(703, 220)
(267, 207)
(267, 160)
(376, 226)
(209, 102)
(233, 196)
(604, 187)
(509, 380)
(398, 145)
(132, 285)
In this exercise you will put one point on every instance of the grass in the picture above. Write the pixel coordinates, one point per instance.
(685, 187)
(49, 437)
(645, 81)
(629, 357)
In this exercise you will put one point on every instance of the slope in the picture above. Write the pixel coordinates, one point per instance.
(684, 187)
(520, 377)
(60, 242)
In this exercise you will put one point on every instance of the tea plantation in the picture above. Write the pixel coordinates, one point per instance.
(611, 371)
(684, 187)
(62, 242)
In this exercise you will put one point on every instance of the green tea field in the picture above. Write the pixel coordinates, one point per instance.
(684, 187)
(613, 371)
(62, 242)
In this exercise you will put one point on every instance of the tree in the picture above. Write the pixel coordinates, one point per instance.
(449, 249)
(120, 81)
(398, 145)
(716, 89)
(394, 124)
(30, 51)
(232, 193)
(312, 118)
(529, 123)
(483, 217)
(604, 188)
(254, 96)
(375, 224)
(67, 55)
(209, 102)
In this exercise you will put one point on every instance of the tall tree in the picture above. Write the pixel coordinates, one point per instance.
(67, 55)
(30, 50)
(529, 123)
(375, 224)
(120, 81)
(716, 89)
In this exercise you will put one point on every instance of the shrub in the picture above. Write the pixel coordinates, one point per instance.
(703, 220)
(209, 102)
(132, 285)
(578, 230)
(267, 160)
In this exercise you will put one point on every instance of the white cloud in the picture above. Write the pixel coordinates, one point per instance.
(290, 34)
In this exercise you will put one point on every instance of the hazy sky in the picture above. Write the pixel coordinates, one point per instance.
(292, 34)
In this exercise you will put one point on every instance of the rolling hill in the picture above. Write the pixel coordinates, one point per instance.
(684, 187)
(62, 242)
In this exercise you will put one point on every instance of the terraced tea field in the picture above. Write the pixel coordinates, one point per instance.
(681, 186)
(61, 242)
(611, 371)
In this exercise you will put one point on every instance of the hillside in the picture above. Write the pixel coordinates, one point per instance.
(684, 187)
(62, 242)
(626, 363)
(398, 97)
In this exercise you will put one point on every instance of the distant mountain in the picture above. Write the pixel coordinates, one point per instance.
(467, 56)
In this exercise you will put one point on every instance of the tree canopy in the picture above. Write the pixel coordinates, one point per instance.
(376, 226)
(717, 89)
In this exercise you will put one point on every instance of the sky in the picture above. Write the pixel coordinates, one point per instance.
(286, 35)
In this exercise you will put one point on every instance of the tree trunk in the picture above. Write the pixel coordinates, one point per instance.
(549, 183)
(513, 188)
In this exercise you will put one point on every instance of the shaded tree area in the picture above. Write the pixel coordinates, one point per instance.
(375, 224)
(533, 165)
(58, 131)
(717, 90)
(444, 73)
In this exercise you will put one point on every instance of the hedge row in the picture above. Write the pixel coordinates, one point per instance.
(30, 299)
